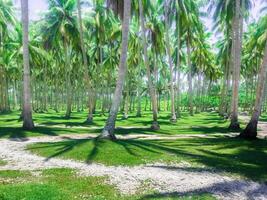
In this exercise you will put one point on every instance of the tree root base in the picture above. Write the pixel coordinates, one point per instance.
(250, 132)
(28, 125)
(155, 126)
(88, 121)
(107, 135)
(138, 115)
(173, 120)
(234, 126)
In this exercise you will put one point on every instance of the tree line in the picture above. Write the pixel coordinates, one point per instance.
(113, 55)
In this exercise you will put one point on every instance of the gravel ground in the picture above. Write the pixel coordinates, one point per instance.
(167, 179)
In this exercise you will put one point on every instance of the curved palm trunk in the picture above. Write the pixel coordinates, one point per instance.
(27, 110)
(237, 43)
(108, 131)
(168, 48)
(155, 125)
(251, 130)
(190, 88)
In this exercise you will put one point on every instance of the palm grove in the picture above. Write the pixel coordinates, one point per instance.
(113, 56)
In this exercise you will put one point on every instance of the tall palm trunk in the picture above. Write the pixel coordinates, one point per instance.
(27, 110)
(126, 103)
(236, 56)
(190, 88)
(139, 102)
(68, 80)
(168, 48)
(108, 131)
(85, 63)
(251, 130)
(139, 95)
(223, 94)
(178, 62)
(155, 125)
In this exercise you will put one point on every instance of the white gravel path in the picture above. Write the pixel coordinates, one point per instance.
(163, 178)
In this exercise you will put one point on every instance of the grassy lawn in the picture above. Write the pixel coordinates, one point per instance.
(54, 124)
(247, 159)
(243, 158)
(62, 184)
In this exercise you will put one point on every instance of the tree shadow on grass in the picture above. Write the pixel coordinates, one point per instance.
(209, 130)
(54, 117)
(244, 158)
(222, 189)
(174, 131)
(20, 133)
(69, 124)
(127, 131)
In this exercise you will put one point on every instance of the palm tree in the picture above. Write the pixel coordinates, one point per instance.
(152, 92)
(168, 48)
(230, 15)
(192, 27)
(258, 39)
(178, 60)
(189, 63)
(85, 62)
(236, 61)
(27, 110)
(7, 20)
(250, 131)
(59, 28)
(108, 131)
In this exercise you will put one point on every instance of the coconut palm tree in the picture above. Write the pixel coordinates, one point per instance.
(260, 37)
(7, 20)
(85, 62)
(236, 61)
(60, 28)
(168, 49)
(152, 92)
(233, 12)
(250, 131)
(27, 110)
(108, 131)
(191, 19)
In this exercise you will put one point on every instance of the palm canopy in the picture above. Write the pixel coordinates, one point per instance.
(60, 23)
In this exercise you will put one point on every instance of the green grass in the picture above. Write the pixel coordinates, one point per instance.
(2, 162)
(13, 174)
(238, 157)
(53, 124)
(62, 184)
